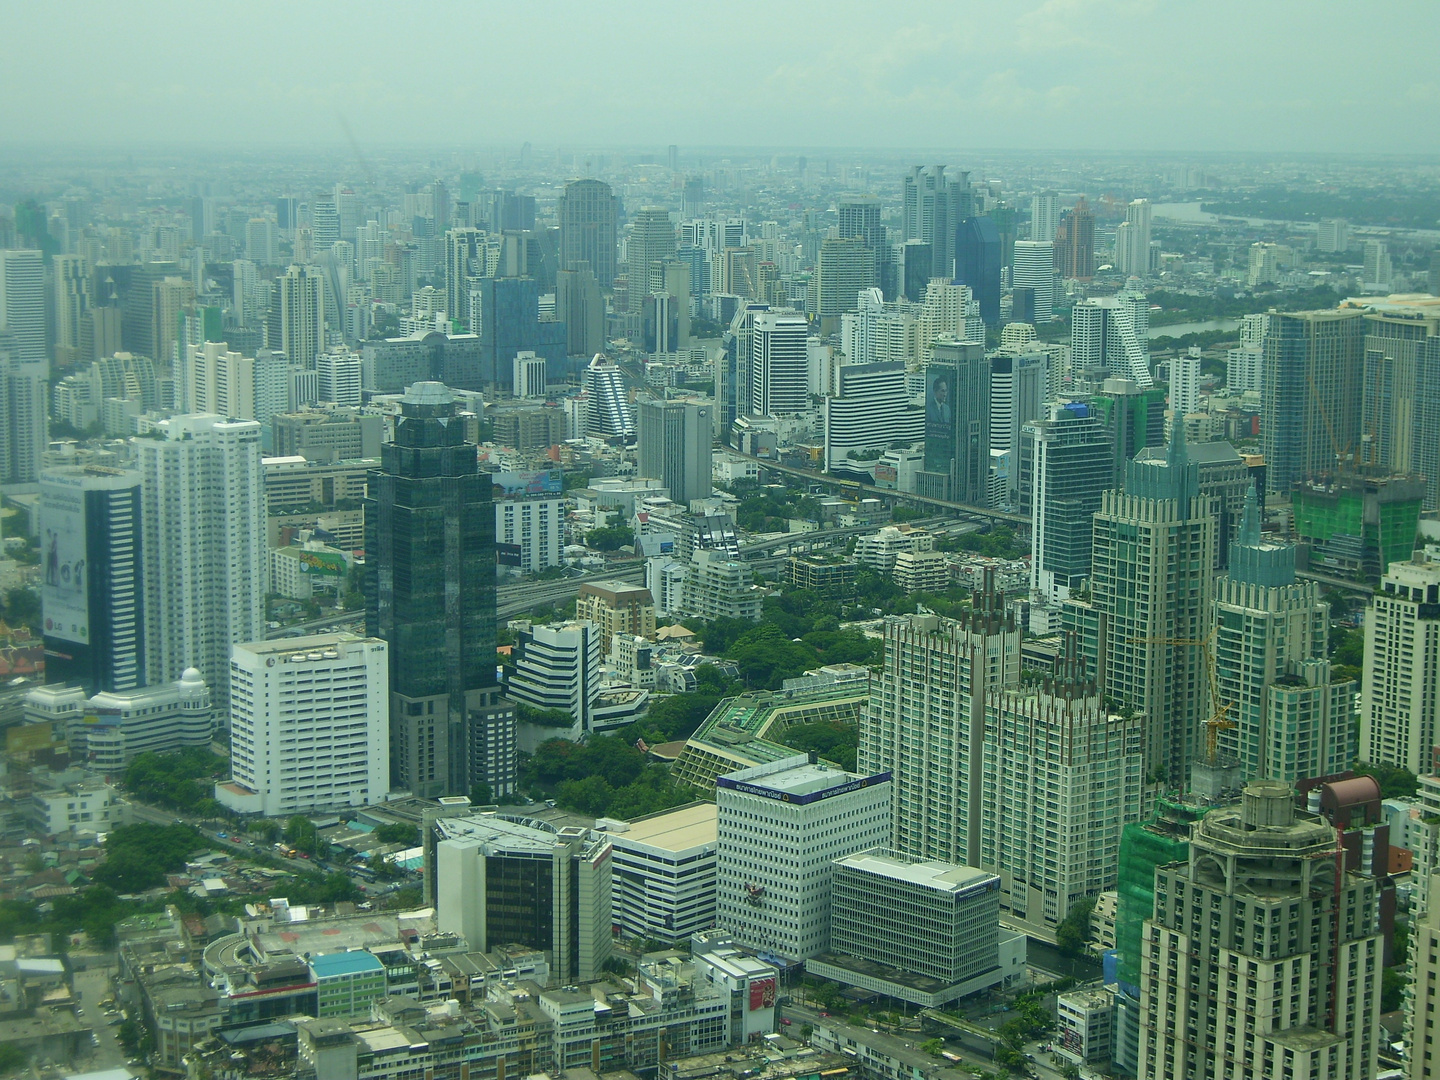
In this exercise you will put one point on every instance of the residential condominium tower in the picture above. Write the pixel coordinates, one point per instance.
(1400, 699)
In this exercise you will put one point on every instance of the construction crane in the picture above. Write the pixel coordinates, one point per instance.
(1219, 719)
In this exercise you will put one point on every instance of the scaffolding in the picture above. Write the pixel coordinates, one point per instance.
(1144, 845)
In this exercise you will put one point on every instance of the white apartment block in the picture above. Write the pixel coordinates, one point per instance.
(309, 725)
(536, 527)
(780, 826)
(664, 876)
(719, 587)
(1400, 695)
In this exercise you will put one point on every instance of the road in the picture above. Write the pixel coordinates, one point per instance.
(346, 620)
(511, 600)
(93, 986)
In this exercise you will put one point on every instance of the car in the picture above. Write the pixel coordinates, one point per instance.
(786, 1021)
(222, 836)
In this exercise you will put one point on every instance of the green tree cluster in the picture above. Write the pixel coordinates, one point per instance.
(1395, 782)
(604, 777)
(529, 714)
(397, 832)
(301, 834)
(180, 780)
(831, 739)
(138, 856)
(1074, 929)
(610, 538)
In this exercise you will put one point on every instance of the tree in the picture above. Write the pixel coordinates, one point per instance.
(1074, 929)
(1392, 989)
(398, 832)
(611, 538)
(481, 794)
(932, 1047)
(529, 714)
(138, 856)
(1395, 782)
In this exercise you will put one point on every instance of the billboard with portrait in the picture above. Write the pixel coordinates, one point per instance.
(65, 577)
(541, 482)
(939, 417)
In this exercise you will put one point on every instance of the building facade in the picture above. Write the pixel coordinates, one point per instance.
(1400, 694)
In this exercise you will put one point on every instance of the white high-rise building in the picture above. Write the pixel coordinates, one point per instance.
(339, 378)
(530, 379)
(24, 418)
(1377, 270)
(779, 827)
(22, 304)
(1400, 693)
(302, 315)
(531, 530)
(608, 412)
(1132, 256)
(72, 305)
(1103, 335)
(674, 440)
(557, 667)
(1333, 234)
(779, 380)
(869, 409)
(1185, 384)
(309, 725)
(1044, 215)
(1034, 268)
(1243, 371)
(203, 545)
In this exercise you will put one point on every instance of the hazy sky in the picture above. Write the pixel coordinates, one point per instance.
(1147, 75)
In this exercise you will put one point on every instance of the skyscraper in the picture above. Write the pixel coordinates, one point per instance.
(859, 218)
(779, 376)
(1071, 470)
(1044, 215)
(72, 308)
(1154, 548)
(1291, 721)
(652, 241)
(1034, 268)
(674, 446)
(22, 304)
(1261, 921)
(608, 414)
(430, 593)
(957, 423)
(1103, 337)
(845, 267)
(978, 260)
(926, 721)
(1134, 419)
(1132, 245)
(868, 408)
(90, 548)
(1185, 384)
(1400, 696)
(302, 316)
(465, 259)
(24, 417)
(587, 215)
(934, 205)
(581, 307)
(1310, 404)
(203, 546)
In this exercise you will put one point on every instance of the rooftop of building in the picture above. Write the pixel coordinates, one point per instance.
(331, 965)
(796, 776)
(1202, 454)
(680, 829)
(617, 591)
(929, 873)
(528, 835)
(312, 646)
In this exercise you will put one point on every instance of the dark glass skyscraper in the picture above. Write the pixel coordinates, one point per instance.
(977, 263)
(430, 593)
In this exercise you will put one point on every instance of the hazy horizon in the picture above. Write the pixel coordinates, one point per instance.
(1089, 76)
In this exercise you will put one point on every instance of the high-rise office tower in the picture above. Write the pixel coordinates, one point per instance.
(1134, 418)
(868, 408)
(779, 826)
(1017, 396)
(608, 413)
(72, 307)
(957, 422)
(260, 242)
(1154, 549)
(779, 374)
(24, 417)
(1104, 337)
(651, 242)
(1132, 246)
(508, 311)
(1262, 958)
(430, 593)
(339, 375)
(934, 204)
(90, 553)
(302, 315)
(1075, 242)
(1376, 270)
(22, 304)
(978, 258)
(1034, 268)
(203, 546)
(1048, 750)
(859, 218)
(530, 376)
(1070, 470)
(1044, 215)
(1291, 721)
(465, 259)
(1310, 399)
(581, 307)
(347, 212)
(1185, 384)
(587, 214)
(1400, 377)
(844, 269)
(1400, 695)
(1333, 234)
(171, 298)
(309, 725)
(913, 268)
(674, 446)
(926, 721)
(324, 224)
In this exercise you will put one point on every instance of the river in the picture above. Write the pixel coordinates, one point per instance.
(1183, 328)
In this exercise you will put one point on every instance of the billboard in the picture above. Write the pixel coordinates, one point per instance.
(762, 994)
(543, 482)
(65, 575)
(331, 563)
(939, 417)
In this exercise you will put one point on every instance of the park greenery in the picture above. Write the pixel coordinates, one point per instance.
(1417, 208)
(397, 832)
(606, 776)
(138, 856)
(182, 780)
(609, 538)
(1395, 782)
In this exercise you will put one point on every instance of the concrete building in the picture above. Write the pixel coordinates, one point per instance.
(1185, 384)
(608, 411)
(881, 549)
(1422, 1004)
(25, 431)
(957, 422)
(925, 725)
(587, 212)
(91, 806)
(557, 667)
(924, 931)
(22, 304)
(529, 378)
(675, 439)
(868, 409)
(650, 243)
(202, 546)
(503, 882)
(616, 607)
(1085, 1026)
(780, 827)
(1104, 337)
(719, 586)
(1034, 269)
(302, 315)
(664, 876)
(1047, 750)
(1065, 468)
(530, 532)
(346, 983)
(845, 266)
(1400, 694)
(1261, 922)
(778, 369)
(921, 571)
(309, 727)
(110, 729)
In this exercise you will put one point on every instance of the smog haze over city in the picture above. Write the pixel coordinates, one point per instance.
(746, 541)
